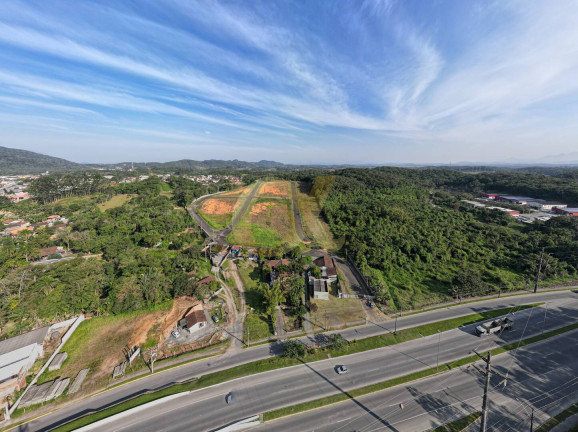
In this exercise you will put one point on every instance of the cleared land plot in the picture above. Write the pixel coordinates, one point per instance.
(277, 189)
(98, 343)
(115, 201)
(257, 325)
(313, 224)
(268, 223)
(218, 212)
(336, 312)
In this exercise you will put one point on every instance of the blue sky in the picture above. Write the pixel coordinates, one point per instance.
(346, 81)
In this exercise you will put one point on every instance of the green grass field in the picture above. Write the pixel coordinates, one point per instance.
(257, 324)
(269, 222)
(98, 344)
(115, 201)
(313, 224)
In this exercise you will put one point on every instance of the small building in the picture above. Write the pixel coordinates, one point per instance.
(327, 266)
(545, 205)
(277, 263)
(54, 250)
(510, 211)
(18, 197)
(235, 249)
(319, 288)
(489, 196)
(473, 204)
(206, 280)
(193, 321)
(566, 211)
(17, 355)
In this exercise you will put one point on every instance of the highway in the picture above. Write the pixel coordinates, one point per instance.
(232, 359)
(206, 409)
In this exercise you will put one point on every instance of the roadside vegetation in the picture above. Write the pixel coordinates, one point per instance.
(141, 251)
(418, 244)
(296, 359)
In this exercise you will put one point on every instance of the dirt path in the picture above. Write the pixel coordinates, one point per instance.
(279, 325)
(297, 216)
(234, 328)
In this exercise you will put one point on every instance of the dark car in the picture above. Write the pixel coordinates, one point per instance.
(229, 397)
(371, 304)
(341, 369)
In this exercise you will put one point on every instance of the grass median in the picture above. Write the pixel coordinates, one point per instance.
(458, 425)
(273, 363)
(341, 397)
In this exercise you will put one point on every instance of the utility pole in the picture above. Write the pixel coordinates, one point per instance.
(539, 270)
(487, 372)
(532, 421)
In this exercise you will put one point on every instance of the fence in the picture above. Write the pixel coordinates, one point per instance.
(65, 338)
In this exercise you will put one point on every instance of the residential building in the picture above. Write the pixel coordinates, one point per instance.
(327, 266)
(319, 288)
(194, 320)
(54, 250)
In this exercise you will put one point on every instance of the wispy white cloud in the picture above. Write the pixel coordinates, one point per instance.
(383, 72)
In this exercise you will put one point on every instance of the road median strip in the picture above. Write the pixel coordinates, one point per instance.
(273, 363)
(383, 385)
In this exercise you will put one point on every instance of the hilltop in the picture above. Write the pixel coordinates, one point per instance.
(15, 161)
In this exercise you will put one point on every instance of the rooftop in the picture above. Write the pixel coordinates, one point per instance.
(12, 344)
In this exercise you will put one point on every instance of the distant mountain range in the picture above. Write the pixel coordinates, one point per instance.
(16, 161)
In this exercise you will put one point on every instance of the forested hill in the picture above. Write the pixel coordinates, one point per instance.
(420, 244)
(16, 161)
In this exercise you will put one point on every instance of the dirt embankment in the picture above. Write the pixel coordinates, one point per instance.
(160, 325)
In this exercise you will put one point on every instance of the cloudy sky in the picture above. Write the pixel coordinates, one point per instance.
(348, 81)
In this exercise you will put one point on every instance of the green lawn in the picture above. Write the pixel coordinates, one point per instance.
(115, 201)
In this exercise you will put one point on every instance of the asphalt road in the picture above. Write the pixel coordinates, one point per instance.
(229, 360)
(541, 376)
(206, 409)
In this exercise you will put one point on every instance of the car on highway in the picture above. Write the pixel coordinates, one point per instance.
(229, 397)
(341, 369)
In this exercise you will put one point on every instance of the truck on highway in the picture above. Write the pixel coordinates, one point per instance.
(494, 326)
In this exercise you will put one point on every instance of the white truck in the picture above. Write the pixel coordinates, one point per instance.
(494, 326)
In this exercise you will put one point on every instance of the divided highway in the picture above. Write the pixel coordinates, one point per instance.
(206, 409)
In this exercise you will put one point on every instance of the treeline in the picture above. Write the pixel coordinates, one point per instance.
(49, 188)
(142, 253)
(408, 230)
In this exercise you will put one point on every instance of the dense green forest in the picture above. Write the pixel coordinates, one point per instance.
(136, 255)
(409, 231)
